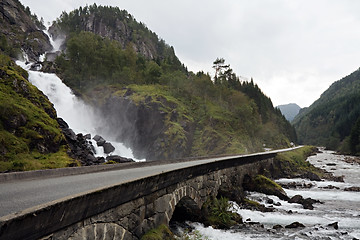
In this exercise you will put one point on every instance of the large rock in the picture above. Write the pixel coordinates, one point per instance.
(265, 185)
(80, 147)
(306, 203)
(100, 141)
(108, 148)
(295, 225)
(118, 159)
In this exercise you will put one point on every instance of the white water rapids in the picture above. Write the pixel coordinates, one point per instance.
(338, 206)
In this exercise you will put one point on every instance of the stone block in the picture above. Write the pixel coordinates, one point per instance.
(149, 210)
(162, 204)
(90, 232)
(99, 231)
(109, 231)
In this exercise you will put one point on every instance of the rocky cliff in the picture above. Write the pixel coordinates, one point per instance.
(114, 24)
(21, 31)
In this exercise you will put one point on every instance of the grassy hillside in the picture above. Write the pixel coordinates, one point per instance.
(30, 137)
(331, 119)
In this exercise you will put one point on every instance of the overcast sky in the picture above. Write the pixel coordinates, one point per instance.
(293, 49)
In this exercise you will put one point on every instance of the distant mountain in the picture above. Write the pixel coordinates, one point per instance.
(289, 110)
(331, 120)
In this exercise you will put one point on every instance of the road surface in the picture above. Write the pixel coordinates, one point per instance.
(19, 195)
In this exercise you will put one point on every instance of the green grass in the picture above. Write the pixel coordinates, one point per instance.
(293, 163)
(217, 213)
(160, 233)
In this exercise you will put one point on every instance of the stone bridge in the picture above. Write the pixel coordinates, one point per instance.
(128, 210)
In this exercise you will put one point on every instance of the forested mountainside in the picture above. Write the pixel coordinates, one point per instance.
(165, 111)
(115, 24)
(150, 100)
(333, 120)
(289, 110)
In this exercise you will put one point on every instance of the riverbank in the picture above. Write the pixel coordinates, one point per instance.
(336, 217)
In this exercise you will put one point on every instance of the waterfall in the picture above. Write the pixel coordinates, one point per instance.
(80, 117)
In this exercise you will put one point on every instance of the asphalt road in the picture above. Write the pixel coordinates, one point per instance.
(19, 195)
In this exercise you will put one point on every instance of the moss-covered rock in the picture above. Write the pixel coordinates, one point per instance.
(262, 184)
(30, 136)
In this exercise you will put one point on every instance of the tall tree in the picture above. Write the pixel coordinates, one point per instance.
(220, 67)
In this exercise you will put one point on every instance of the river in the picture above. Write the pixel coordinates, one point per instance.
(337, 205)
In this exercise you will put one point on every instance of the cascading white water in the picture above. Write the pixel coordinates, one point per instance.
(79, 116)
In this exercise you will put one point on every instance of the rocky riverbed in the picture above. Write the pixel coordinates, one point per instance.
(335, 214)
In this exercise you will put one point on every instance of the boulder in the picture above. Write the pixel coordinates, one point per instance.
(97, 138)
(276, 227)
(100, 141)
(295, 225)
(108, 148)
(311, 176)
(118, 159)
(306, 203)
(100, 160)
(335, 225)
(296, 199)
(80, 147)
(352, 189)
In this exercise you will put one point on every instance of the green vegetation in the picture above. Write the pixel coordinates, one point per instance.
(228, 120)
(160, 233)
(217, 213)
(354, 139)
(262, 184)
(30, 137)
(329, 121)
(293, 163)
(225, 115)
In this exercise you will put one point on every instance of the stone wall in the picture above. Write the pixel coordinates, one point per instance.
(134, 218)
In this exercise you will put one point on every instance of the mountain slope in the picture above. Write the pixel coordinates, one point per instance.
(115, 24)
(151, 101)
(289, 110)
(330, 119)
(30, 137)
(21, 32)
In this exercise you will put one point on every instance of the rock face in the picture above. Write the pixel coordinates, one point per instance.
(117, 25)
(144, 127)
(21, 31)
